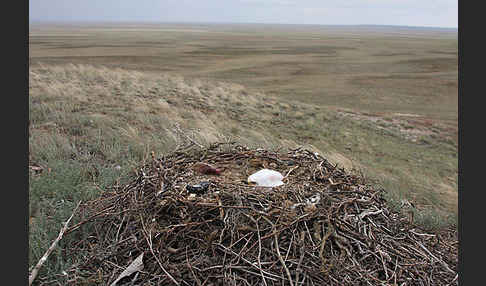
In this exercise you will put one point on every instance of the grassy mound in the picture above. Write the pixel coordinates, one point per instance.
(90, 127)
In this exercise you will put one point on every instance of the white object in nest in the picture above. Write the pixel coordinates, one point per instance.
(266, 178)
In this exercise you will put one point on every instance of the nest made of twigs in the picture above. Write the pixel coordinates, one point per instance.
(322, 227)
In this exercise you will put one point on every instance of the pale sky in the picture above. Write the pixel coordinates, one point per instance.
(428, 13)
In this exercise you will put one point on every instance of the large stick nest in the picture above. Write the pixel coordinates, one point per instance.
(322, 227)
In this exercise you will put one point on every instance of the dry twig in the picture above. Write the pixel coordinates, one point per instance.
(43, 259)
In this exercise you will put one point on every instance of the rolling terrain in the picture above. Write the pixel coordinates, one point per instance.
(379, 101)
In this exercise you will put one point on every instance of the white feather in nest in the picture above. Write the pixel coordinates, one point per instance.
(266, 178)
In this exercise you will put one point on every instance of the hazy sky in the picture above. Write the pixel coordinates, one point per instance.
(430, 13)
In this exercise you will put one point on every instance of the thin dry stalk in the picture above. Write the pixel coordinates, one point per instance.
(43, 259)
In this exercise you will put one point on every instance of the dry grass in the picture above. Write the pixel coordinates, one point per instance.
(102, 98)
(379, 70)
(118, 116)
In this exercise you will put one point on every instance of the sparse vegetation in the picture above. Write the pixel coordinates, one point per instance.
(91, 125)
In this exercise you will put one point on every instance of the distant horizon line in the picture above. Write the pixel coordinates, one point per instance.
(231, 23)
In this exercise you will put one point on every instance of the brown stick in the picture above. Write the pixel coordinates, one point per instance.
(43, 259)
(192, 271)
(282, 261)
(437, 259)
(149, 242)
(260, 253)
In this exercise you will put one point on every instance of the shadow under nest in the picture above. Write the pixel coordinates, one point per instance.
(322, 227)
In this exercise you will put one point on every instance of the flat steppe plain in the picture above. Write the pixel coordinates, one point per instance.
(400, 78)
(376, 69)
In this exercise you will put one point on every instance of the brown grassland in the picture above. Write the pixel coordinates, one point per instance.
(382, 101)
